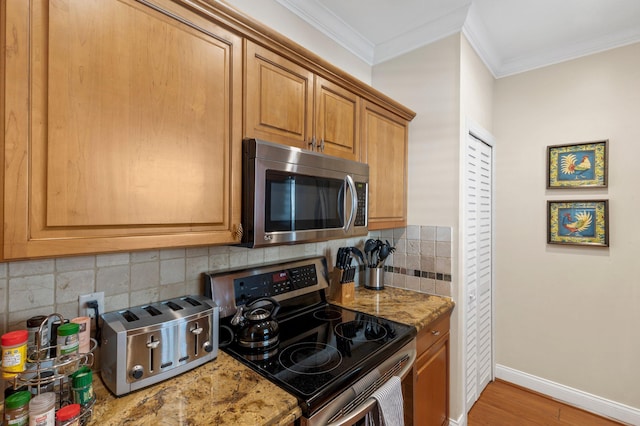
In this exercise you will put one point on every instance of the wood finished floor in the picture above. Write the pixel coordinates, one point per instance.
(505, 404)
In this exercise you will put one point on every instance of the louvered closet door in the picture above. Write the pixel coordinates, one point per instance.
(477, 267)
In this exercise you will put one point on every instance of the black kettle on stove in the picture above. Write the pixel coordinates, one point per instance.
(255, 325)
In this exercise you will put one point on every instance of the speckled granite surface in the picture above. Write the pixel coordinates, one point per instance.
(405, 306)
(221, 392)
(225, 392)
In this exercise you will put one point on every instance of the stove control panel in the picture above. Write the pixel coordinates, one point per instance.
(274, 283)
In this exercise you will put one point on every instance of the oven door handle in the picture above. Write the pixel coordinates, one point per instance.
(362, 410)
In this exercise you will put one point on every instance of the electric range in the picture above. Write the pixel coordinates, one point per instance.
(327, 355)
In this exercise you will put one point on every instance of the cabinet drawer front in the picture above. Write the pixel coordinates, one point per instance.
(430, 334)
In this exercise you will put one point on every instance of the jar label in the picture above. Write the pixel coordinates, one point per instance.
(13, 359)
(70, 348)
(22, 420)
(45, 419)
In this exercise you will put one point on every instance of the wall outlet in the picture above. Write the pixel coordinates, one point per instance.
(84, 310)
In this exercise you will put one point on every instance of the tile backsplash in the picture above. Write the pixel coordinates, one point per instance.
(422, 263)
(422, 259)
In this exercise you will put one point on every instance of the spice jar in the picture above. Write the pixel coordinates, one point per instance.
(68, 339)
(84, 333)
(33, 325)
(14, 352)
(68, 415)
(82, 386)
(68, 344)
(54, 337)
(16, 409)
(42, 410)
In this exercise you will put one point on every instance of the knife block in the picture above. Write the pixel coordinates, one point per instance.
(341, 292)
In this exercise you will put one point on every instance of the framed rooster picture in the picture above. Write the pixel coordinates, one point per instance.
(577, 165)
(578, 222)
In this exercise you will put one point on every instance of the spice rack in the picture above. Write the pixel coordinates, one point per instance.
(56, 371)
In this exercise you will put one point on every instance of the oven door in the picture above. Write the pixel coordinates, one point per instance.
(353, 405)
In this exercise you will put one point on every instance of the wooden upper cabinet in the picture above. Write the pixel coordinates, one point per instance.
(286, 103)
(278, 98)
(385, 149)
(122, 128)
(337, 127)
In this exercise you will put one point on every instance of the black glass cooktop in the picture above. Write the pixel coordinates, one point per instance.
(324, 350)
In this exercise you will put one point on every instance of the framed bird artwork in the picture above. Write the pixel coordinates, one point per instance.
(578, 222)
(577, 165)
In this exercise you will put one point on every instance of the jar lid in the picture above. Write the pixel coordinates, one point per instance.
(68, 412)
(68, 329)
(82, 380)
(81, 370)
(36, 321)
(17, 400)
(42, 401)
(15, 337)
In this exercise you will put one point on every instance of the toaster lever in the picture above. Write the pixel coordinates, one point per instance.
(197, 330)
(153, 344)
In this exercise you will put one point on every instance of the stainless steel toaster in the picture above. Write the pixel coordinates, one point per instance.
(147, 344)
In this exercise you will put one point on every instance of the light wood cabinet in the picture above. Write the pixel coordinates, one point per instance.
(286, 103)
(431, 375)
(385, 148)
(121, 127)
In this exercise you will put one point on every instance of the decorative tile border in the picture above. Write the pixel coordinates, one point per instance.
(417, 273)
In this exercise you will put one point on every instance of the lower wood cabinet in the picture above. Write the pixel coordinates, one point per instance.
(429, 387)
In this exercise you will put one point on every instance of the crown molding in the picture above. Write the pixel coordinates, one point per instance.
(427, 33)
(567, 52)
(332, 26)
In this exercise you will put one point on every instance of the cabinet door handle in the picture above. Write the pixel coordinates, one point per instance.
(322, 145)
(435, 332)
(313, 143)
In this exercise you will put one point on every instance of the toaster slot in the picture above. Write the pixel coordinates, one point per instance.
(191, 301)
(173, 305)
(129, 316)
(152, 310)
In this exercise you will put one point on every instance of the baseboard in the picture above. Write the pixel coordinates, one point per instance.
(575, 397)
(462, 421)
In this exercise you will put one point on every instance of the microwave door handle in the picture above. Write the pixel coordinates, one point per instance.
(354, 202)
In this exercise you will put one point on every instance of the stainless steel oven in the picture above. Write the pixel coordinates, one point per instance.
(292, 195)
(331, 358)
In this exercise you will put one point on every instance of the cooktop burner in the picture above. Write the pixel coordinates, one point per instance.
(310, 358)
(328, 314)
(361, 331)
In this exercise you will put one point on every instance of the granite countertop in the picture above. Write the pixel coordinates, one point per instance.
(225, 392)
(220, 392)
(397, 304)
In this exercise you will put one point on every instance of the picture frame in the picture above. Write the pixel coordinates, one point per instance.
(583, 223)
(579, 165)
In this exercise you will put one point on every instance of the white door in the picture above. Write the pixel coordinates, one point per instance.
(477, 258)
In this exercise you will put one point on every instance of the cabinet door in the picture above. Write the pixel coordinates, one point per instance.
(123, 128)
(431, 386)
(337, 128)
(385, 144)
(278, 98)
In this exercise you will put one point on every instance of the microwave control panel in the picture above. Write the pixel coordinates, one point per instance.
(361, 211)
(274, 283)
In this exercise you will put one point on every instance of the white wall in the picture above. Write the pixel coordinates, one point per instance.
(277, 17)
(427, 80)
(567, 314)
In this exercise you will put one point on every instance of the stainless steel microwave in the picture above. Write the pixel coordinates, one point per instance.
(292, 196)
